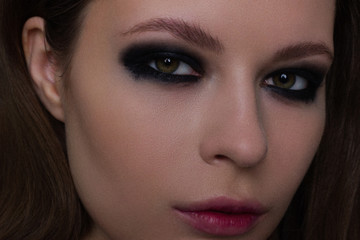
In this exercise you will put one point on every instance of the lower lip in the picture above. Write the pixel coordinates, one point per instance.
(220, 224)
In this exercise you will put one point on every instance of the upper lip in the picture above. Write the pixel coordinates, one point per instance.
(224, 205)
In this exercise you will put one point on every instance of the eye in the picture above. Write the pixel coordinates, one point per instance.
(171, 65)
(289, 81)
(295, 84)
(163, 64)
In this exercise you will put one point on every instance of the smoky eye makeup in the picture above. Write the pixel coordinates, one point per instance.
(173, 65)
(160, 63)
(298, 84)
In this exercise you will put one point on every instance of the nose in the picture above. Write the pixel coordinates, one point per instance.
(233, 129)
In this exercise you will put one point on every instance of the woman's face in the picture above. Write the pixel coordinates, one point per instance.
(195, 119)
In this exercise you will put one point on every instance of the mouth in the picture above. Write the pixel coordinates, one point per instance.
(222, 216)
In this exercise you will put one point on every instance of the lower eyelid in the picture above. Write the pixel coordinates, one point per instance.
(305, 95)
(287, 95)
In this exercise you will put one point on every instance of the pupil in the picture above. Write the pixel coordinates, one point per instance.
(167, 64)
(167, 61)
(284, 78)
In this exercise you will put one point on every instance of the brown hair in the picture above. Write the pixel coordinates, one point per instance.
(327, 205)
(335, 184)
(37, 196)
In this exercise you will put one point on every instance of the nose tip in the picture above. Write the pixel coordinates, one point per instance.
(249, 151)
(245, 147)
(235, 132)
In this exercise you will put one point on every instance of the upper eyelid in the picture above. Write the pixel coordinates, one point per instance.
(314, 76)
(181, 57)
(138, 52)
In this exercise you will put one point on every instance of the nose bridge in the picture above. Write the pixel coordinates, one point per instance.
(236, 130)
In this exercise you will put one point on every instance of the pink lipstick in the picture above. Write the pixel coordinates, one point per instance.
(222, 216)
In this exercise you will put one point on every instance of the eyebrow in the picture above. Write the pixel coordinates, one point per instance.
(195, 35)
(191, 33)
(303, 50)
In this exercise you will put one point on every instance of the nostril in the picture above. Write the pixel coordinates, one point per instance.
(245, 155)
(220, 157)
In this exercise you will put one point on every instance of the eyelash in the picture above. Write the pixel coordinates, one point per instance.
(304, 89)
(143, 62)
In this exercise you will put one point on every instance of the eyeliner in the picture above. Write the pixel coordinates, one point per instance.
(142, 53)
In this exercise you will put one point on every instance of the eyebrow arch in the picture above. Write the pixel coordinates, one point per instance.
(302, 50)
(191, 33)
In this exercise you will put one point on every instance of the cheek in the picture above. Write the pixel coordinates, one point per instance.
(108, 160)
(119, 144)
(293, 139)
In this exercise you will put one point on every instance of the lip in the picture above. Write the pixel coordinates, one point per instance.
(222, 216)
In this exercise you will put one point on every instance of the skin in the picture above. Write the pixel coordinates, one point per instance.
(139, 148)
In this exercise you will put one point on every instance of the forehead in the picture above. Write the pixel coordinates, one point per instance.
(245, 23)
